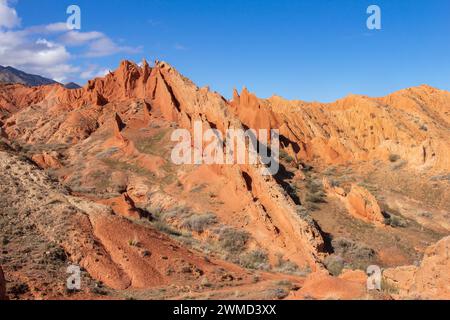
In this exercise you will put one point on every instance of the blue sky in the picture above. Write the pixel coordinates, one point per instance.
(308, 50)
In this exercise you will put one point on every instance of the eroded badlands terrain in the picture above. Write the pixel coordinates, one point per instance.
(86, 178)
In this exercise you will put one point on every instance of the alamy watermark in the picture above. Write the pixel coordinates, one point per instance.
(236, 147)
(374, 278)
(74, 20)
(374, 20)
(74, 280)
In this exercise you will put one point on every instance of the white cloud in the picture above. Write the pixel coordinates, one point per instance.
(102, 72)
(76, 38)
(105, 47)
(8, 15)
(97, 43)
(41, 57)
(93, 71)
(51, 28)
(44, 49)
(179, 47)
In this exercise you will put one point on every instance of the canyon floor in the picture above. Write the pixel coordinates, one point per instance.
(86, 179)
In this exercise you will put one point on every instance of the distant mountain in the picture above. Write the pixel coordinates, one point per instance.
(12, 75)
(72, 85)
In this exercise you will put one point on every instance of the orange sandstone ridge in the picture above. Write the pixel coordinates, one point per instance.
(108, 143)
(411, 123)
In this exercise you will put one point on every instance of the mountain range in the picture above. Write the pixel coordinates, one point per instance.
(12, 75)
(87, 179)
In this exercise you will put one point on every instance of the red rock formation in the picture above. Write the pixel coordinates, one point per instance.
(363, 205)
(360, 202)
(430, 280)
(320, 285)
(47, 160)
(408, 123)
(333, 190)
(347, 130)
(353, 129)
(123, 206)
(350, 130)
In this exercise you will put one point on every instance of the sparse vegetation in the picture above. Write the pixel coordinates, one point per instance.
(355, 255)
(205, 283)
(388, 287)
(198, 188)
(318, 197)
(134, 242)
(199, 222)
(426, 215)
(19, 289)
(330, 171)
(277, 293)
(55, 254)
(304, 214)
(255, 259)
(107, 153)
(334, 264)
(125, 166)
(286, 157)
(232, 240)
(5, 240)
(153, 144)
(396, 221)
(286, 266)
(315, 194)
(348, 247)
(398, 165)
(165, 228)
(99, 289)
(394, 157)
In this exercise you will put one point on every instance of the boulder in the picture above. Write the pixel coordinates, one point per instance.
(363, 205)
(359, 201)
(320, 285)
(430, 280)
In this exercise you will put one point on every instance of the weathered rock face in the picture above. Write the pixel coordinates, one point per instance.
(333, 190)
(360, 202)
(2, 285)
(110, 115)
(410, 124)
(112, 249)
(320, 285)
(47, 160)
(363, 205)
(132, 93)
(431, 280)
